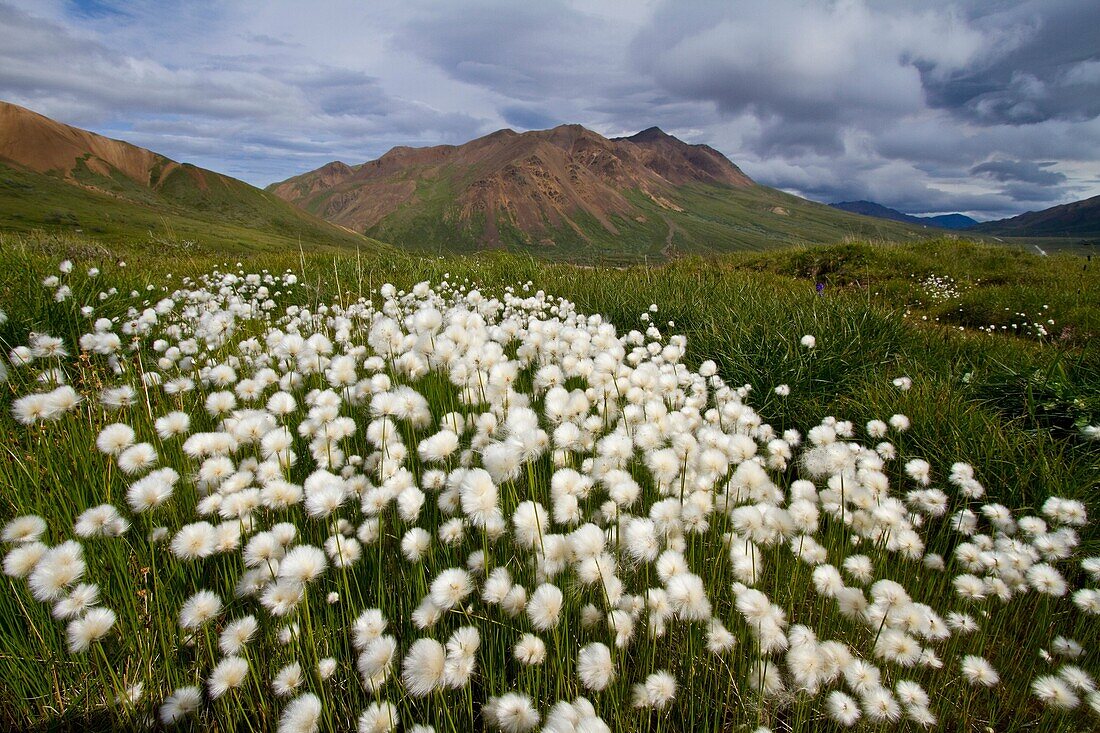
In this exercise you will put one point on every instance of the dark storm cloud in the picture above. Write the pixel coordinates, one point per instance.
(1045, 65)
(1027, 195)
(786, 62)
(835, 99)
(797, 137)
(1025, 171)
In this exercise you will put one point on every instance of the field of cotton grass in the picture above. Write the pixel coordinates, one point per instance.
(301, 499)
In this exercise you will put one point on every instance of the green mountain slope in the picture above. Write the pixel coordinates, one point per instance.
(62, 179)
(1075, 219)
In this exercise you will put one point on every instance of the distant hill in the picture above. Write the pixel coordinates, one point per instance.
(60, 178)
(569, 193)
(950, 221)
(870, 208)
(1076, 219)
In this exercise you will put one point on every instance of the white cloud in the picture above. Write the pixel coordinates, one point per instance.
(881, 99)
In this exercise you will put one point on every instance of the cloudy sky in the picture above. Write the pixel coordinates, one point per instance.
(990, 107)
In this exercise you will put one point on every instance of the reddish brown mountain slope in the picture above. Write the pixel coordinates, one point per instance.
(532, 182)
(37, 143)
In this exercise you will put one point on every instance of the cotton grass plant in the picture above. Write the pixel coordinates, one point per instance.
(232, 506)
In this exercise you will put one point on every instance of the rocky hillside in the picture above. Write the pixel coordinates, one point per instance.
(567, 192)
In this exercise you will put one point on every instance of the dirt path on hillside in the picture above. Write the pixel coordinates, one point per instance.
(673, 230)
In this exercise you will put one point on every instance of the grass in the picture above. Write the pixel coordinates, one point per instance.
(713, 220)
(427, 222)
(1010, 403)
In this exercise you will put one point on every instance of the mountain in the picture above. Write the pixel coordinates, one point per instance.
(1076, 219)
(569, 193)
(950, 221)
(61, 178)
(870, 208)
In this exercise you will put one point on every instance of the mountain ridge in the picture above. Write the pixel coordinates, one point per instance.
(567, 192)
(1074, 219)
(504, 162)
(953, 221)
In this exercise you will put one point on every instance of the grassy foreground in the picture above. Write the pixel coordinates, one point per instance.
(1000, 348)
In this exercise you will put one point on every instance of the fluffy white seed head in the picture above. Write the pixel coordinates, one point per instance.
(422, 668)
(594, 666)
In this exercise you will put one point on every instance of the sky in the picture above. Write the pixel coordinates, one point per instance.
(989, 107)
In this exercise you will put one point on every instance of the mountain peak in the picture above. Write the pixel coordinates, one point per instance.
(650, 134)
(568, 126)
